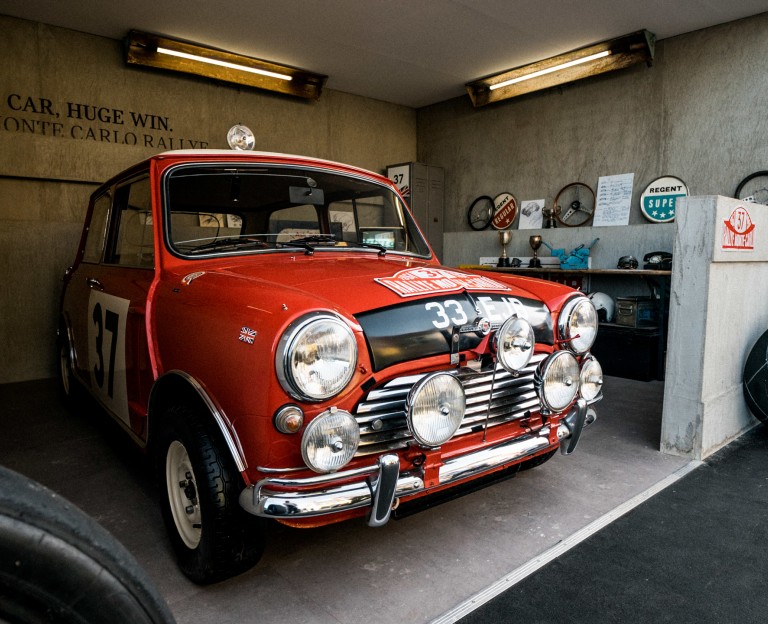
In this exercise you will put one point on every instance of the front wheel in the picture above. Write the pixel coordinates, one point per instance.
(213, 537)
(66, 378)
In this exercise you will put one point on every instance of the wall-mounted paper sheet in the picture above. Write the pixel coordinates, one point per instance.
(614, 199)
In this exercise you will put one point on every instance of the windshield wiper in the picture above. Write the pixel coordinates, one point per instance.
(318, 239)
(229, 241)
(307, 242)
(382, 250)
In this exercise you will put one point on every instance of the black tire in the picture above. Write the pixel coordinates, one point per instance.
(755, 379)
(59, 565)
(212, 536)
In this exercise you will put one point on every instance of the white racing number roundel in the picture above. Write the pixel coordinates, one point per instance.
(106, 321)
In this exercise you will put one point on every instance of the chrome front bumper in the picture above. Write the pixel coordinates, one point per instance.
(378, 486)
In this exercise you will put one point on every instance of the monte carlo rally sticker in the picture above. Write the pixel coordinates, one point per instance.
(429, 280)
(739, 231)
(657, 203)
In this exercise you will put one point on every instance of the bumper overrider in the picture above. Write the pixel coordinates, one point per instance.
(380, 486)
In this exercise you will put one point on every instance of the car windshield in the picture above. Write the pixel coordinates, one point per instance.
(223, 209)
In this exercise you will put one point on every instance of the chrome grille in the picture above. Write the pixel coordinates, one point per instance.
(381, 415)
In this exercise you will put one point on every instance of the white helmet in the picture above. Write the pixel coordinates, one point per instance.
(604, 305)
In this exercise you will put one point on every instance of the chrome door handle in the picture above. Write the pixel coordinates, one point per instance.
(94, 283)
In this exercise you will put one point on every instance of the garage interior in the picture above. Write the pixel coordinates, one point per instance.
(73, 113)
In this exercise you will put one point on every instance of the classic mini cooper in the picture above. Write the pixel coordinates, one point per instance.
(277, 334)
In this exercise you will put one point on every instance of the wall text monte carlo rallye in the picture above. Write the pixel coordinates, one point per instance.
(277, 334)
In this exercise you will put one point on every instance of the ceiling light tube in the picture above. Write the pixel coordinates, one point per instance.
(564, 68)
(210, 61)
(549, 70)
(192, 58)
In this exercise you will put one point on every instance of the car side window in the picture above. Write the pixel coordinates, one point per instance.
(134, 225)
(97, 229)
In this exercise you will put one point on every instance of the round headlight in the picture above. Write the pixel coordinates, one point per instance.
(317, 358)
(330, 441)
(591, 378)
(578, 324)
(435, 409)
(557, 381)
(514, 344)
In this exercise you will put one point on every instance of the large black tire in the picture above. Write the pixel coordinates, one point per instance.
(755, 379)
(213, 537)
(59, 565)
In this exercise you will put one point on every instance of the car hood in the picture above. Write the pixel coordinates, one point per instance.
(407, 308)
(362, 282)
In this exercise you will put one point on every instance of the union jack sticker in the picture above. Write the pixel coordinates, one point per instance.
(247, 335)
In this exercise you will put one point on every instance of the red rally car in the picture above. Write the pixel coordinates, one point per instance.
(278, 335)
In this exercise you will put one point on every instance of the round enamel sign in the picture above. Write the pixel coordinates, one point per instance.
(657, 203)
(504, 211)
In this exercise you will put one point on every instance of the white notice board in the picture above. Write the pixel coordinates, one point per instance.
(614, 198)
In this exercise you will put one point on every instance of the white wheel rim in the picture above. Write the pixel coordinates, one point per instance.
(182, 494)
(64, 364)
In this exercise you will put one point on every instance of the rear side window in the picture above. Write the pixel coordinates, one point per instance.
(121, 230)
(134, 227)
(97, 229)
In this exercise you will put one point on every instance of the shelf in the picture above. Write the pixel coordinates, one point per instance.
(559, 271)
(656, 339)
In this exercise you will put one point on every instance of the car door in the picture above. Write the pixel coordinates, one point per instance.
(108, 294)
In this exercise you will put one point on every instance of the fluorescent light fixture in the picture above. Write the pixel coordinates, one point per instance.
(210, 61)
(192, 58)
(564, 68)
(544, 72)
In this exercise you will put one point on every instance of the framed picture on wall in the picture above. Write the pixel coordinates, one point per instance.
(531, 214)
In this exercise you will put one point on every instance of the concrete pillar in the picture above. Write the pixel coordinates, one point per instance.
(717, 312)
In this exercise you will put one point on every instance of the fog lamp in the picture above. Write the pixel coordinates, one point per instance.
(330, 441)
(591, 378)
(435, 409)
(557, 381)
(514, 344)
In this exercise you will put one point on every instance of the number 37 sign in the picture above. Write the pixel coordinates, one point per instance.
(107, 316)
(739, 231)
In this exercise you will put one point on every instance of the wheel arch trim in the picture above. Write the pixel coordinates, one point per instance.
(225, 427)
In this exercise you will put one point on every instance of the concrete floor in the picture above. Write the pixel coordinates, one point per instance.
(411, 570)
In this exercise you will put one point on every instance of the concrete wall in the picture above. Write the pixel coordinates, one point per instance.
(717, 313)
(52, 155)
(699, 113)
